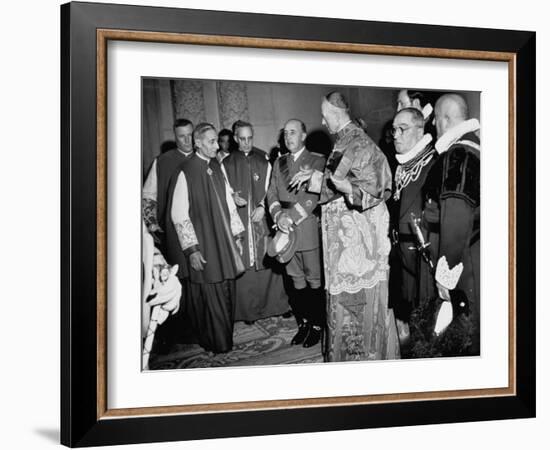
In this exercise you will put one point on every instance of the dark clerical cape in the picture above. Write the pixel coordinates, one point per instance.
(167, 164)
(207, 221)
(260, 291)
(247, 175)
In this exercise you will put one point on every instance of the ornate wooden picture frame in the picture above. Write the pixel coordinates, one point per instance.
(86, 418)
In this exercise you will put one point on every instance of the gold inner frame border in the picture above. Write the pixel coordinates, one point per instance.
(103, 36)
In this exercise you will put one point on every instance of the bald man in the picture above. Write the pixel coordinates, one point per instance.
(452, 202)
(353, 188)
(293, 208)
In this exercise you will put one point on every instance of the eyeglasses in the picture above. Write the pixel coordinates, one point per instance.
(401, 129)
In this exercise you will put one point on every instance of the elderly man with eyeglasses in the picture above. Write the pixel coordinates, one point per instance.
(410, 279)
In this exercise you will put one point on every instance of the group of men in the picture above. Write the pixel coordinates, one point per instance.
(251, 238)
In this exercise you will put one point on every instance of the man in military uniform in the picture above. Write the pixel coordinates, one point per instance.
(293, 209)
(452, 203)
(410, 277)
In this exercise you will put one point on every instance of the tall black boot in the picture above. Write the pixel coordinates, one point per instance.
(316, 308)
(298, 301)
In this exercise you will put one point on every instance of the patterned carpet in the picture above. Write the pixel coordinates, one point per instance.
(266, 342)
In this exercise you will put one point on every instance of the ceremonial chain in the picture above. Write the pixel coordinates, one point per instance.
(405, 175)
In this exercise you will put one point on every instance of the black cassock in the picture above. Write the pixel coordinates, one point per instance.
(202, 217)
(260, 290)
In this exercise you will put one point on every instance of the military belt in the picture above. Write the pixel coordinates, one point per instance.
(287, 205)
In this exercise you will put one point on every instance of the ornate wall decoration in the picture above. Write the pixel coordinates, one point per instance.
(188, 100)
(232, 102)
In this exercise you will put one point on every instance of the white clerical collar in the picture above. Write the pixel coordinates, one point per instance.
(415, 151)
(203, 157)
(455, 133)
(343, 126)
(184, 153)
(296, 155)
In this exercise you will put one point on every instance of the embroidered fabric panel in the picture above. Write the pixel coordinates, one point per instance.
(188, 100)
(356, 247)
(362, 199)
(186, 234)
(180, 215)
(370, 175)
(149, 212)
(236, 223)
(315, 182)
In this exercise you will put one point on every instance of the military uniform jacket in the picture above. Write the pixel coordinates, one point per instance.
(299, 204)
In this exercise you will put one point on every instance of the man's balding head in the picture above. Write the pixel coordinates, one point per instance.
(335, 111)
(450, 110)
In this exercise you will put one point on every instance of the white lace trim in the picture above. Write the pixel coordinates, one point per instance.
(356, 285)
(455, 133)
(446, 276)
(415, 151)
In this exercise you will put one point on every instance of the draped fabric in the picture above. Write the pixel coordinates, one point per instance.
(361, 327)
(209, 221)
(167, 165)
(356, 246)
(247, 175)
(212, 309)
(260, 290)
(204, 224)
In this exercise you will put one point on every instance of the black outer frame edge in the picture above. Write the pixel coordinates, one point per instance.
(79, 231)
(301, 420)
(79, 426)
(65, 371)
(526, 225)
(161, 19)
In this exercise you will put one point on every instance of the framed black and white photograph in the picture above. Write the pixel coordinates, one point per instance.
(330, 287)
(278, 224)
